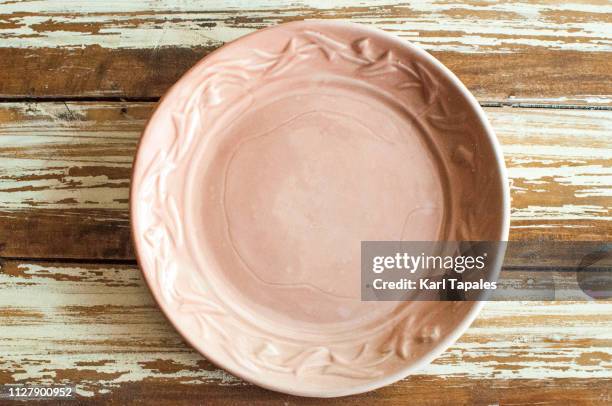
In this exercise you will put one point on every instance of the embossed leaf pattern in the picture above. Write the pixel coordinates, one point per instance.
(332, 48)
(399, 341)
(165, 230)
(415, 75)
(448, 121)
(311, 358)
(286, 58)
(364, 47)
(384, 65)
(430, 87)
(199, 304)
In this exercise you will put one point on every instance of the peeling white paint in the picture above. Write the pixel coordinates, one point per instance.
(485, 27)
(564, 212)
(579, 99)
(61, 330)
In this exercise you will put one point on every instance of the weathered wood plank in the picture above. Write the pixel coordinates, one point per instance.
(65, 170)
(560, 167)
(65, 176)
(97, 326)
(416, 390)
(523, 51)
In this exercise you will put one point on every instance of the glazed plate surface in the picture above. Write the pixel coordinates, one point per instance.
(267, 164)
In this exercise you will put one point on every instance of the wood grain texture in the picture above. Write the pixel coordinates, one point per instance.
(98, 327)
(65, 171)
(417, 390)
(84, 315)
(69, 168)
(520, 53)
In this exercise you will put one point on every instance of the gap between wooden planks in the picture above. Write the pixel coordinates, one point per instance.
(65, 171)
(525, 51)
(97, 326)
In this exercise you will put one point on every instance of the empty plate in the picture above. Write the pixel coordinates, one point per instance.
(263, 169)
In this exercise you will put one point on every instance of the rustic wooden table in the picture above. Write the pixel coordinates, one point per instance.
(78, 80)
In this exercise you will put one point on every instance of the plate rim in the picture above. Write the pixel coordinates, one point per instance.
(476, 307)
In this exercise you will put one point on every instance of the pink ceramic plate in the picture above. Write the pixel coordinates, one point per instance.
(264, 168)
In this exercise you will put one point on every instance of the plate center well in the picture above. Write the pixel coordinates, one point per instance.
(293, 185)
